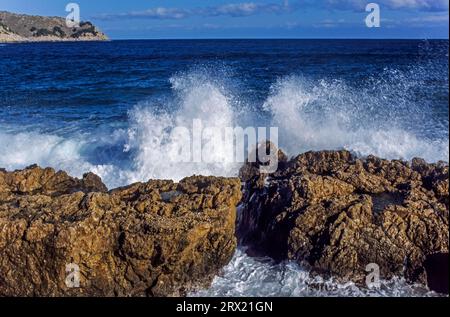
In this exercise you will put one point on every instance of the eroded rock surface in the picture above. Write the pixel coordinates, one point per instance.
(336, 214)
(157, 238)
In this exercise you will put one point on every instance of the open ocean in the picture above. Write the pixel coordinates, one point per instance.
(103, 106)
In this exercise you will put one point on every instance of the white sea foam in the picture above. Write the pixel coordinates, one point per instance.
(151, 134)
(310, 115)
(26, 148)
(255, 277)
(329, 115)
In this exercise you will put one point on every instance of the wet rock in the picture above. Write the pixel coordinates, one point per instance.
(336, 214)
(35, 180)
(157, 238)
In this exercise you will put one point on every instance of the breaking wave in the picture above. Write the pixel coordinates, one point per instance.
(153, 137)
(317, 115)
(380, 118)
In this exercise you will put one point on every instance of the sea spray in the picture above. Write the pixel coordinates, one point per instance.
(317, 115)
(150, 133)
(380, 117)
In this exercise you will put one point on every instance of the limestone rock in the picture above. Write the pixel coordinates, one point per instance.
(157, 238)
(336, 214)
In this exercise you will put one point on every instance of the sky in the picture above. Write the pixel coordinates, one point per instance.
(178, 19)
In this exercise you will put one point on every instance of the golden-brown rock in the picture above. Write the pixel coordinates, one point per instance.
(336, 214)
(157, 238)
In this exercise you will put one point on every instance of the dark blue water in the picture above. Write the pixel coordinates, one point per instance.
(111, 108)
(96, 105)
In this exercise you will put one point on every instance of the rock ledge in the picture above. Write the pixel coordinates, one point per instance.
(157, 238)
(336, 214)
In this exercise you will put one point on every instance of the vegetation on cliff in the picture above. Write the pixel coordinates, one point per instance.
(29, 28)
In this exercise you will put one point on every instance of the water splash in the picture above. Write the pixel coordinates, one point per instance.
(381, 116)
(261, 277)
(317, 115)
(153, 138)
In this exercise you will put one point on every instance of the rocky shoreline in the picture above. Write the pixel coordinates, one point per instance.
(328, 211)
(148, 239)
(338, 215)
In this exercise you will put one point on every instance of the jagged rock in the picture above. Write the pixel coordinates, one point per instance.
(35, 180)
(157, 238)
(336, 214)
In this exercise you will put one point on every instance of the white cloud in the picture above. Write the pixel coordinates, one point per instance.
(422, 5)
(429, 20)
(245, 9)
(234, 10)
(153, 13)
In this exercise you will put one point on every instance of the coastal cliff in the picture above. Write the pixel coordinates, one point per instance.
(29, 28)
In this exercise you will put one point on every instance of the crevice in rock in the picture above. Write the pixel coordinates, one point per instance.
(382, 200)
(331, 223)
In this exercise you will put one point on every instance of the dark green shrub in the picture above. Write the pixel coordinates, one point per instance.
(58, 31)
(87, 23)
(90, 30)
(42, 32)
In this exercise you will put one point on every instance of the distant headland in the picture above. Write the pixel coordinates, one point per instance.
(31, 28)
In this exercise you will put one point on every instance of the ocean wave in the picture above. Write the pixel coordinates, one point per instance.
(152, 134)
(317, 115)
(310, 114)
(25, 148)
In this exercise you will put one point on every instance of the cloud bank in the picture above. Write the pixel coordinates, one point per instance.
(420, 5)
(244, 9)
(232, 10)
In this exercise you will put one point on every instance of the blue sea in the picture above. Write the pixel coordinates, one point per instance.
(109, 108)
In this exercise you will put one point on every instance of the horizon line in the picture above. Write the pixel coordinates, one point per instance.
(279, 38)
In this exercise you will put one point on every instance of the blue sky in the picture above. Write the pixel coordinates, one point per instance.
(138, 19)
